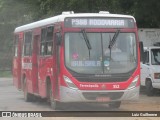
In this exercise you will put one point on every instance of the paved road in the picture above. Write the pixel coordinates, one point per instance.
(11, 99)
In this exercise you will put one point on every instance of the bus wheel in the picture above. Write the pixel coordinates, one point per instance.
(115, 104)
(149, 88)
(52, 101)
(27, 96)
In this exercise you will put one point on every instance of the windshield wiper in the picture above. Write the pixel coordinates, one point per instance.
(112, 42)
(86, 40)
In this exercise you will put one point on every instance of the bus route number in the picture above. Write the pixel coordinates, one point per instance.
(79, 22)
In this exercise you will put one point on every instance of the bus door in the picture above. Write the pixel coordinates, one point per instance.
(45, 61)
(17, 60)
(35, 45)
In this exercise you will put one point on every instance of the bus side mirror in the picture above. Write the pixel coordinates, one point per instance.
(142, 57)
(58, 38)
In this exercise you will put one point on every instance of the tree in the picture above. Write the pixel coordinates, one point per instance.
(147, 13)
(54, 7)
(13, 13)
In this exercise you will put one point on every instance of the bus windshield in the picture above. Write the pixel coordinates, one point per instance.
(100, 60)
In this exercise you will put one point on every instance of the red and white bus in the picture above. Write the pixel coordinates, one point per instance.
(73, 58)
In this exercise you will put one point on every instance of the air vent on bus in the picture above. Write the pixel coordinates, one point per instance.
(67, 12)
(104, 12)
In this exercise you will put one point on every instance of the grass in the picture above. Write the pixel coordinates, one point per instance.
(5, 74)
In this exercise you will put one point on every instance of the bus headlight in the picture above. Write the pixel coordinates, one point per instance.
(69, 83)
(134, 82)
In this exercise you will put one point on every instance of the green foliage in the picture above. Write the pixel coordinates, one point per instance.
(5, 74)
(54, 7)
(147, 13)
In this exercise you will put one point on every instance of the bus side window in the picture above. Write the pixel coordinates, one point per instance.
(49, 40)
(42, 43)
(16, 45)
(27, 44)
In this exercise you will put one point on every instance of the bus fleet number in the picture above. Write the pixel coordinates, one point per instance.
(116, 86)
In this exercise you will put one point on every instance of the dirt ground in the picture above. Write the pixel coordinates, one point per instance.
(12, 100)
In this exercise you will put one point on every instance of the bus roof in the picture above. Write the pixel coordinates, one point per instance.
(61, 18)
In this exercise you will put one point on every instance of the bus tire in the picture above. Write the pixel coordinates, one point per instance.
(149, 88)
(27, 96)
(115, 104)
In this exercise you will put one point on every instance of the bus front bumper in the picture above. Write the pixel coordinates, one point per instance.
(72, 95)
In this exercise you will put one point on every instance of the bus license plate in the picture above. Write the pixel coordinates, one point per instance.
(103, 99)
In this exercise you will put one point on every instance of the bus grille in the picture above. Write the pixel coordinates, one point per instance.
(94, 95)
(102, 79)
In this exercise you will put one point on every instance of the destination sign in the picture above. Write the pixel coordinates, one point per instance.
(99, 22)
